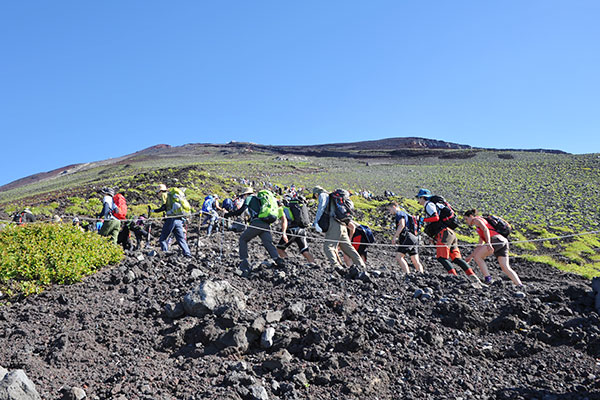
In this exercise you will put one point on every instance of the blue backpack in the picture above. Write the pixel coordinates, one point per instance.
(228, 204)
(207, 206)
(368, 233)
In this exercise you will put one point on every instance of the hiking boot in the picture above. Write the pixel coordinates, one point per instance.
(280, 262)
(475, 282)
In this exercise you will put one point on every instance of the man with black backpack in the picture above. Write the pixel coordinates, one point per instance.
(492, 233)
(405, 235)
(264, 211)
(24, 217)
(334, 213)
(440, 220)
(294, 225)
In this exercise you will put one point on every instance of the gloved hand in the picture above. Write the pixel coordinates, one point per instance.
(318, 228)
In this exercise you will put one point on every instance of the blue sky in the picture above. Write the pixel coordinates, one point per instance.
(84, 81)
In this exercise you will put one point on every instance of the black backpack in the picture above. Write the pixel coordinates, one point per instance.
(343, 206)
(499, 225)
(299, 212)
(445, 212)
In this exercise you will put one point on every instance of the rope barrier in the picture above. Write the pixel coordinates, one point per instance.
(323, 240)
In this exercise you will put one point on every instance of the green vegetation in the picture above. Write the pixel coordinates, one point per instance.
(37, 255)
(541, 195)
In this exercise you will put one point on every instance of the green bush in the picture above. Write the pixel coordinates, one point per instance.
(37, 255)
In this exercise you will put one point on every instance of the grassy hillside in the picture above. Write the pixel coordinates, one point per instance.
(543, 195)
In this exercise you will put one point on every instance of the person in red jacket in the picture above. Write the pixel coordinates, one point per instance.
(490, 242)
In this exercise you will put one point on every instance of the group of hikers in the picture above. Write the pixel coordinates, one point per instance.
(345, 242)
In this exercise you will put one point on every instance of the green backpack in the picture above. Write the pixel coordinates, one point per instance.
(177, 204)
(269, 210)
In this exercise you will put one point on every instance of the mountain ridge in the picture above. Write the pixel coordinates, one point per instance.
(380, 148)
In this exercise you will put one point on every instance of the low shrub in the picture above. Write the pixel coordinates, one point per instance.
(37, 255)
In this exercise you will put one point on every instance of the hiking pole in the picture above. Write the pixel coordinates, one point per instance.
(149, 227)
(198, 239)
(222, 237)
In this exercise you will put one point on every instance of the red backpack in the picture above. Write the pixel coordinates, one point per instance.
(120, 210)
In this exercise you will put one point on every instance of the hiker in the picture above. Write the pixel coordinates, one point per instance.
(110, 225)
(77, 223)
(175, 206)
(337, 231)
(24, 217)
(490, 242)
(210, 209)
(294, 226)
(439, 219)
(360, 237)
(406, 238)
(262, 214)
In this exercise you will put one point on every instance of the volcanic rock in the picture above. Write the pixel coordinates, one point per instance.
(213, 297)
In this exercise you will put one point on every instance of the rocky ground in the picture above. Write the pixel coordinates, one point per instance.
(130, 332)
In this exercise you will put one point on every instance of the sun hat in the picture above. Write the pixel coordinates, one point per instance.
(161, 188)
(247, 190)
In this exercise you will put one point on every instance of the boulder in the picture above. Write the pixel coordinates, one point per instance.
(15, 385)
(213, 297)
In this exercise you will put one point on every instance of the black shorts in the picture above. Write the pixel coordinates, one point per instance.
(295, 235)
(500, 245)
(408, 244)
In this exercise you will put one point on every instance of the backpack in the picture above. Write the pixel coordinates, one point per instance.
(299, 212)
(499, 225)
(446, 213)
(120, 210)
(342, 206)
(228, 204)
(268, 206)
(368, 233)
(412, 224)
(177, 204)
(207, 206)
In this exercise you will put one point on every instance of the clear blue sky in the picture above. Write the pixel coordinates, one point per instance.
(87, 80)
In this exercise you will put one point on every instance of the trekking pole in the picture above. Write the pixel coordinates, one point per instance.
(222, 237)
(149, 227)
(198, 239)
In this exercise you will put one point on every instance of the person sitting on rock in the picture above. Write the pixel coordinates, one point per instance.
(490, 242)
(258, 227)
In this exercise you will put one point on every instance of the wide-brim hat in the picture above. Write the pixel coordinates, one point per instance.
(247, 190)
(161, 188)
(318, 190)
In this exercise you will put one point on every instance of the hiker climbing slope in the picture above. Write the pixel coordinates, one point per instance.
(334, 212)
(405, 236)
(176, 207)
(440, 220)
(263, 211)
(296, 219)
(111, 225)
(491, 242)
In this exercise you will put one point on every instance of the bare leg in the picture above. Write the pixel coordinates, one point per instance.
(282, 253)
(503, 261)
(309, 257)
(417, 263)
(479, 254)
(403, 263)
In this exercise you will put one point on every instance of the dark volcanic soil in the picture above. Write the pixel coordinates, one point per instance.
(337, 337)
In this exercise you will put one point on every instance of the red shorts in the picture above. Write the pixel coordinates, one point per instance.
(447, 245)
